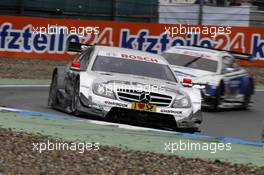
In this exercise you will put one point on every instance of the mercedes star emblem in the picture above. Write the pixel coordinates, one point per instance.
(144, 97)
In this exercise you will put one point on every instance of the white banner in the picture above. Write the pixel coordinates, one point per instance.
(189, 14)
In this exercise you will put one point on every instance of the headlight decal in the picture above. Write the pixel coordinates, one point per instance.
(182, 101)
(102, 90)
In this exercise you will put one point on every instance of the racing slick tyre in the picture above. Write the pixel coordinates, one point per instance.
(75, 102)
(218, 97)
(248, 93)
(53, 91)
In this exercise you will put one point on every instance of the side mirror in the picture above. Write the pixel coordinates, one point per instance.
(75, 65)
(187, 82)
(229, 69)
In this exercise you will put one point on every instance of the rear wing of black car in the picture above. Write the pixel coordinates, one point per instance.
(77, 47)
(237, 55)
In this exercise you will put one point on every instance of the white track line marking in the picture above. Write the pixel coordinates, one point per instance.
(20, 85)
(9, 109)
(46, 85)
(124, 126)
(259, 90)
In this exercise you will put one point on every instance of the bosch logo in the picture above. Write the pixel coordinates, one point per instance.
(144, 97)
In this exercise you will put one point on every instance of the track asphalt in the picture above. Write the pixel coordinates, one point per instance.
(242, 124)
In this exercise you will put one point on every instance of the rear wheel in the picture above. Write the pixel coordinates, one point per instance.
(75, 97)
(52, 101)
(246, 101)
(218, 97)
(248, 93)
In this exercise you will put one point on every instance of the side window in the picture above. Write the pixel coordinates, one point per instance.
(84, 58)
(227, 62)
(87, 57)
(229, 65)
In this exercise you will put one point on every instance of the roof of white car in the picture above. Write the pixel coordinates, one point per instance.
(195, 51)
(131, 54)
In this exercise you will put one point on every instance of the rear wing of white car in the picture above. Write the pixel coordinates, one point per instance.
(237, 55)
(242, 56)
(77, 47)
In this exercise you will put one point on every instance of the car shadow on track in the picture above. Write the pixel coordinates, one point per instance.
(132, 123)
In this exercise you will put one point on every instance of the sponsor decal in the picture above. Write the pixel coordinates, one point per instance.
(129, 56)
(116, 104)
(139, 58)
(143, 106)
(24, 39)
(169, 111)
(234, 83)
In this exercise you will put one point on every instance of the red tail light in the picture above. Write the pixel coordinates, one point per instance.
(187, 81)
(76, 65)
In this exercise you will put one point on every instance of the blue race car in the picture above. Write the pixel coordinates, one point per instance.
(223, 83)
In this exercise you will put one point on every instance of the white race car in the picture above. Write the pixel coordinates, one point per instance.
(125, 85)
(224, 83)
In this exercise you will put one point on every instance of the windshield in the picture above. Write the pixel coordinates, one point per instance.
(191, 61)
(126, 66)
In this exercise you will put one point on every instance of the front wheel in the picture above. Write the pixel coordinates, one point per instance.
(75, 98)
(52, 101)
